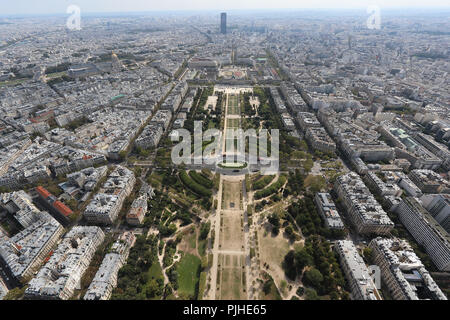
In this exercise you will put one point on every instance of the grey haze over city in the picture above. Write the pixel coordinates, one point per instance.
(59, 6)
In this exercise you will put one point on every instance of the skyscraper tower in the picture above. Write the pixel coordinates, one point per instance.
(223, 23)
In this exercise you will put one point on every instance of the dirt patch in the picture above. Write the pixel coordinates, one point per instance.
(231, 234)
(188, 243)
(231, 195)
(272, 251)
(232, 277)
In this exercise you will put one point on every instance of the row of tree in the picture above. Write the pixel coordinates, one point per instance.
(201, 179)
(194, 186)
(262, 182)
(273, 188)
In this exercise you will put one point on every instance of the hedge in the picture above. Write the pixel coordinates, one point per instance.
(194, 186)
(201, 179)
(262, 183)
(273, 188)
(202, 285)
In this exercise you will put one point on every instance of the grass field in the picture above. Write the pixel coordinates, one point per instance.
(12, 82)
(56, 74)
(189, 244)
(188, 275)
(273, 249)
(233, 105)
(19, 81)
(231, 234)
(232, 282)
(233, 123)
(155, 271)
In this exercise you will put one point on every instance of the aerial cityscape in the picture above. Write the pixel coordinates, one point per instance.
(225, 154)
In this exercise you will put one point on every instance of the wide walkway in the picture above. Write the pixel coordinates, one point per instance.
(229, 274)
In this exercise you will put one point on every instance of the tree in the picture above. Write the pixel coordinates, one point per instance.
(267, 286)
(368, 254)
(5, 190)
(311, 294)
(204, 230)
(302, 259)
(15, 294)
(345, 296)
(295, 261)
(274, 220)
(334, 295)
(288, 265)
(167, 231)
(276, 231)
(152, 289)
(313, 278)
(289, 230)
(127, 271)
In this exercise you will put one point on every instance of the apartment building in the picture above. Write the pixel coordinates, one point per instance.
(388, 188)
(362, 286)
(307, 120)
(139, 206)
(438, 205)
(429, 181)
(105, 279)
(426, 231)
(105, 206)
(402, 271)
(150, 136)
(327, 210)
(62, 274)
(365, 213)
(319, 139)
(24, 253)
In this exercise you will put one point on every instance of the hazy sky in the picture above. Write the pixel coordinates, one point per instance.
(60, 6)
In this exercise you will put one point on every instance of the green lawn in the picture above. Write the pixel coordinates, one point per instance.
(188, 275)
(192, 238)
(56, 74)
(212, 125)
(155, 271)
(13, 82)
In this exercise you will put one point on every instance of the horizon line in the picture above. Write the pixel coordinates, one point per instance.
(386, 9)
